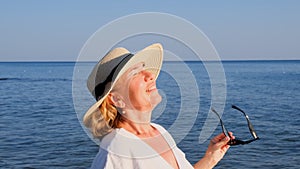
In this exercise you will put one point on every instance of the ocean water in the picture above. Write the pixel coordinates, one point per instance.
(39, 126)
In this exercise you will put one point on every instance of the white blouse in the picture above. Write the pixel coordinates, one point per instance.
(121, 149)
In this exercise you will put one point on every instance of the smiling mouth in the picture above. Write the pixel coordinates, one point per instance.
(153, 88)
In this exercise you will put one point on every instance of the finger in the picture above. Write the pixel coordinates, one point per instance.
(231, 135)
(225, 148)
(223, 142)
(219, 137)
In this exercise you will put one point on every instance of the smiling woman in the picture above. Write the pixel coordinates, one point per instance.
(124, 86)
(136, 88)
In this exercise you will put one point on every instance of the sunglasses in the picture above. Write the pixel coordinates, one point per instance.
(237, 141)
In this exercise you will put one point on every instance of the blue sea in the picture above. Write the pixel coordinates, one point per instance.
(39, 112)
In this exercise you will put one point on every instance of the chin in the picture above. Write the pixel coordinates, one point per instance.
(156, 99)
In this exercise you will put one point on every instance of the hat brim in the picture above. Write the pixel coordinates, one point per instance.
(152, 56)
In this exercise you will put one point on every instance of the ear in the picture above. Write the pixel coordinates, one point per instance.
(116, 100)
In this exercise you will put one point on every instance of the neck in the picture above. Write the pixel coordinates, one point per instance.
(137, 123)
(138, 117)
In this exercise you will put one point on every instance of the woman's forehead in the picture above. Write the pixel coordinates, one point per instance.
(129, 71)
(136, 66)
(133, 68)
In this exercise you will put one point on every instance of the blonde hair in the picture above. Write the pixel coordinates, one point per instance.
(104, 120)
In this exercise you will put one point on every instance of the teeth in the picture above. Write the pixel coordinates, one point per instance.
(152, 88)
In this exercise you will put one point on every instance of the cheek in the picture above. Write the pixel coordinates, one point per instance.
(135, 89)
(136, 84)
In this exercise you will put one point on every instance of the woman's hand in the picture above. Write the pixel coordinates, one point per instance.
(217, 147)
(215, 152)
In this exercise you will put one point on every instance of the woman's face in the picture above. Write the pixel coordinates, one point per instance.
(137, 86)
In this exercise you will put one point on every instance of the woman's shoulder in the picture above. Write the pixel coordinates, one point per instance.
(124, 144)
(114, 138)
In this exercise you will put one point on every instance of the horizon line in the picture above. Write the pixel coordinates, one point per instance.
(225, 60)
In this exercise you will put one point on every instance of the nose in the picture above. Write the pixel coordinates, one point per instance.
(148, 76)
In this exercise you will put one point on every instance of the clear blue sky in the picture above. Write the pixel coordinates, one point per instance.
(57, 29)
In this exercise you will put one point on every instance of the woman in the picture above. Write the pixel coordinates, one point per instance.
(124, 86)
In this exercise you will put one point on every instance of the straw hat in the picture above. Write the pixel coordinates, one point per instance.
(113, 65)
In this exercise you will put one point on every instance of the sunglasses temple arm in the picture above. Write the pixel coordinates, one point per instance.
(251, 128)
(225, 131)
(252, 131)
